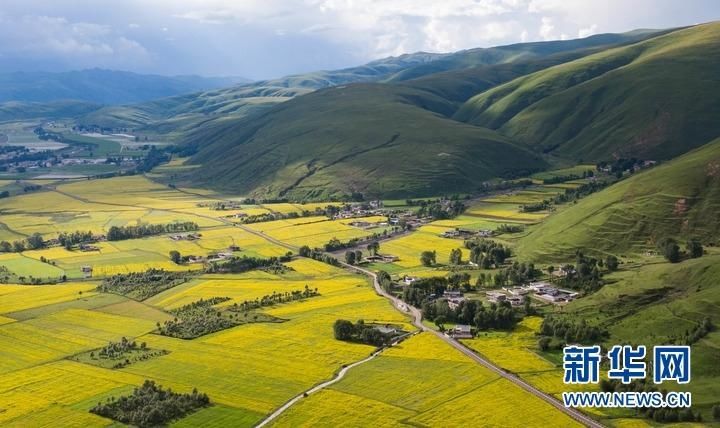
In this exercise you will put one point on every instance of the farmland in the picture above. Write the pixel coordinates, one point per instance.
(47, 332)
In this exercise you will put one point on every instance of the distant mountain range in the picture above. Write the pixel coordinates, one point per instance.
(102, 86)
(426, 124)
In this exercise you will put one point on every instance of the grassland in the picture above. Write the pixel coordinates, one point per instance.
(677, 199)
(593, 108)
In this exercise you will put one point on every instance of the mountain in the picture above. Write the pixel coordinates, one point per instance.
(679, 199)
(654, 99)
(102, 86)
(379, 139)
(366, 138)
(178, 114)
(516, 53)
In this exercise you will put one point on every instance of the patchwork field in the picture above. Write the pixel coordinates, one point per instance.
(47, 332)
(424, 382)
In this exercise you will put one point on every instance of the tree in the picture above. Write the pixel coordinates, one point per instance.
(305, 251)
(440, 321)
(544, 343)
(35, 241)
(671, 251)
(5, 247)
(350, 257)
(456, 256)
(694, 248)
(358, 256)
(550, 269)
(343, 329)
(611, 262)
(716, 412)
(175, 257)
(18, 246)
(428, 258)
(373, 248)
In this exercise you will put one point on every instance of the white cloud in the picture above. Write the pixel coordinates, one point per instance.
(589, 31)
(547, 29)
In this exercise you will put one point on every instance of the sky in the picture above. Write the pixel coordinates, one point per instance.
(261, 39)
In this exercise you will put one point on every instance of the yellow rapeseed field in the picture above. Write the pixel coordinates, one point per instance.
(409, 247)
(20, 297)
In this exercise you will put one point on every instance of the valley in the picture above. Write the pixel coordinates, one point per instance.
(414, 241)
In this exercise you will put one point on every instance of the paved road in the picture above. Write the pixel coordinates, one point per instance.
(416, 316)
(417, 322)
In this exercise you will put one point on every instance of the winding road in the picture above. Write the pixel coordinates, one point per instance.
(416, 316)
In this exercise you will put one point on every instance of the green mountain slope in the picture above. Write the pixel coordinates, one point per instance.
(654, 99)
(515, 53)
(679, 199)
(460, 73)
(368, 138)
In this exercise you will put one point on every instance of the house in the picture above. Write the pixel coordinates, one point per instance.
(461, 331)
(87, 271)
(496, 296)
(452, 294)
(485, 233)
(516, 291)
(454, 302)
(516, 300)
(407, 280)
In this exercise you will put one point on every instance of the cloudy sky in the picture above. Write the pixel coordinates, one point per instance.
(270, 38)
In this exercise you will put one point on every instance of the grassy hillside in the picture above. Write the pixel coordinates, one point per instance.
(456, 76)
(514, 53)
(174, 115)
(101, 86)
(656, 303)
(679, 199)
(368, 138)
(654, 99)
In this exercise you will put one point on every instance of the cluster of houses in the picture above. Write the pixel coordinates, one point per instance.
(214, 257)
(458, 233)
(539, 289)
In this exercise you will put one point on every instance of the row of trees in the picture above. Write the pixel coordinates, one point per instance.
(557, 331)
(245, 263)
(32, 242)
(274, 298)
(118, 233)
(69, 240)
(318, 254)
